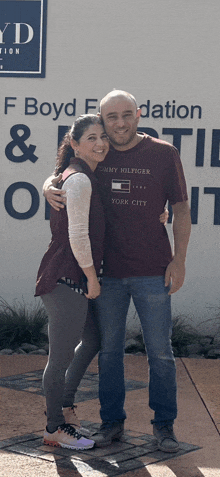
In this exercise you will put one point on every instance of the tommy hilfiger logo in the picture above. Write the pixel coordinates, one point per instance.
(120, 185)
(22, 38)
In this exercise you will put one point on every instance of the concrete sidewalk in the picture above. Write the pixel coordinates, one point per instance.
(197, 426)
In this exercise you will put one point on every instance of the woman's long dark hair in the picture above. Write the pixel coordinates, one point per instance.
(65, 150)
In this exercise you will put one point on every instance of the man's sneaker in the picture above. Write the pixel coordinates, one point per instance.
(166, 439)
(67, 436)
(108, 432)
(70, 417)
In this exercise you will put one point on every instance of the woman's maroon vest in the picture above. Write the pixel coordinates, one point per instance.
(59, 260)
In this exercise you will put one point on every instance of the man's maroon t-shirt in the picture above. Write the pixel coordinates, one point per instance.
(135, 186)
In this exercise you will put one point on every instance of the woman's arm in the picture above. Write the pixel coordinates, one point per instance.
(78, 192)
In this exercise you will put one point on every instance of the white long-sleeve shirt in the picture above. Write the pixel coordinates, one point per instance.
(78, 194)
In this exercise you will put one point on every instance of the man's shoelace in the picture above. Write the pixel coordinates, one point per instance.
(70, 430)
(167, 431)
(106, 425)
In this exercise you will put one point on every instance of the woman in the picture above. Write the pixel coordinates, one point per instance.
(68, 274)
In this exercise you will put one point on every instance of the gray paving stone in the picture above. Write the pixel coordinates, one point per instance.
(160, 456)
(17, 440)
(93, 468)
(115, 447)
(119, 458)
(114, 460)
(133, 439)
(87, 390)
(127, 455)
(129, 465)
(35, 443)
(26, 450)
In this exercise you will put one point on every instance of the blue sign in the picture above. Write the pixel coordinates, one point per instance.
(23, 38)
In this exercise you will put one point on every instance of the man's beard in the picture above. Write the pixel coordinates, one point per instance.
(125, 141)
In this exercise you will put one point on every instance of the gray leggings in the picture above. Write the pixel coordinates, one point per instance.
(67, 314)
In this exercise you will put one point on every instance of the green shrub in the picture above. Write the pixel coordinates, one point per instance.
(20, 324)
(183, 334)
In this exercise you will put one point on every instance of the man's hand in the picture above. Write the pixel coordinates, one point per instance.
(55, 197)
(94, 289)
(93, 284)
(175, 274)
(163, 218)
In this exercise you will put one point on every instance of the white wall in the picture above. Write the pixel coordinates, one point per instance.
(159, 51)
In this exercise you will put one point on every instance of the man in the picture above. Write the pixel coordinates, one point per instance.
(138, 176)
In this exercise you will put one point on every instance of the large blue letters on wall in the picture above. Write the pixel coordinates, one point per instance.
(28, 153)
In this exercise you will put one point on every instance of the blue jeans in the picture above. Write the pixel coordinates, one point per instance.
(152, 302)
